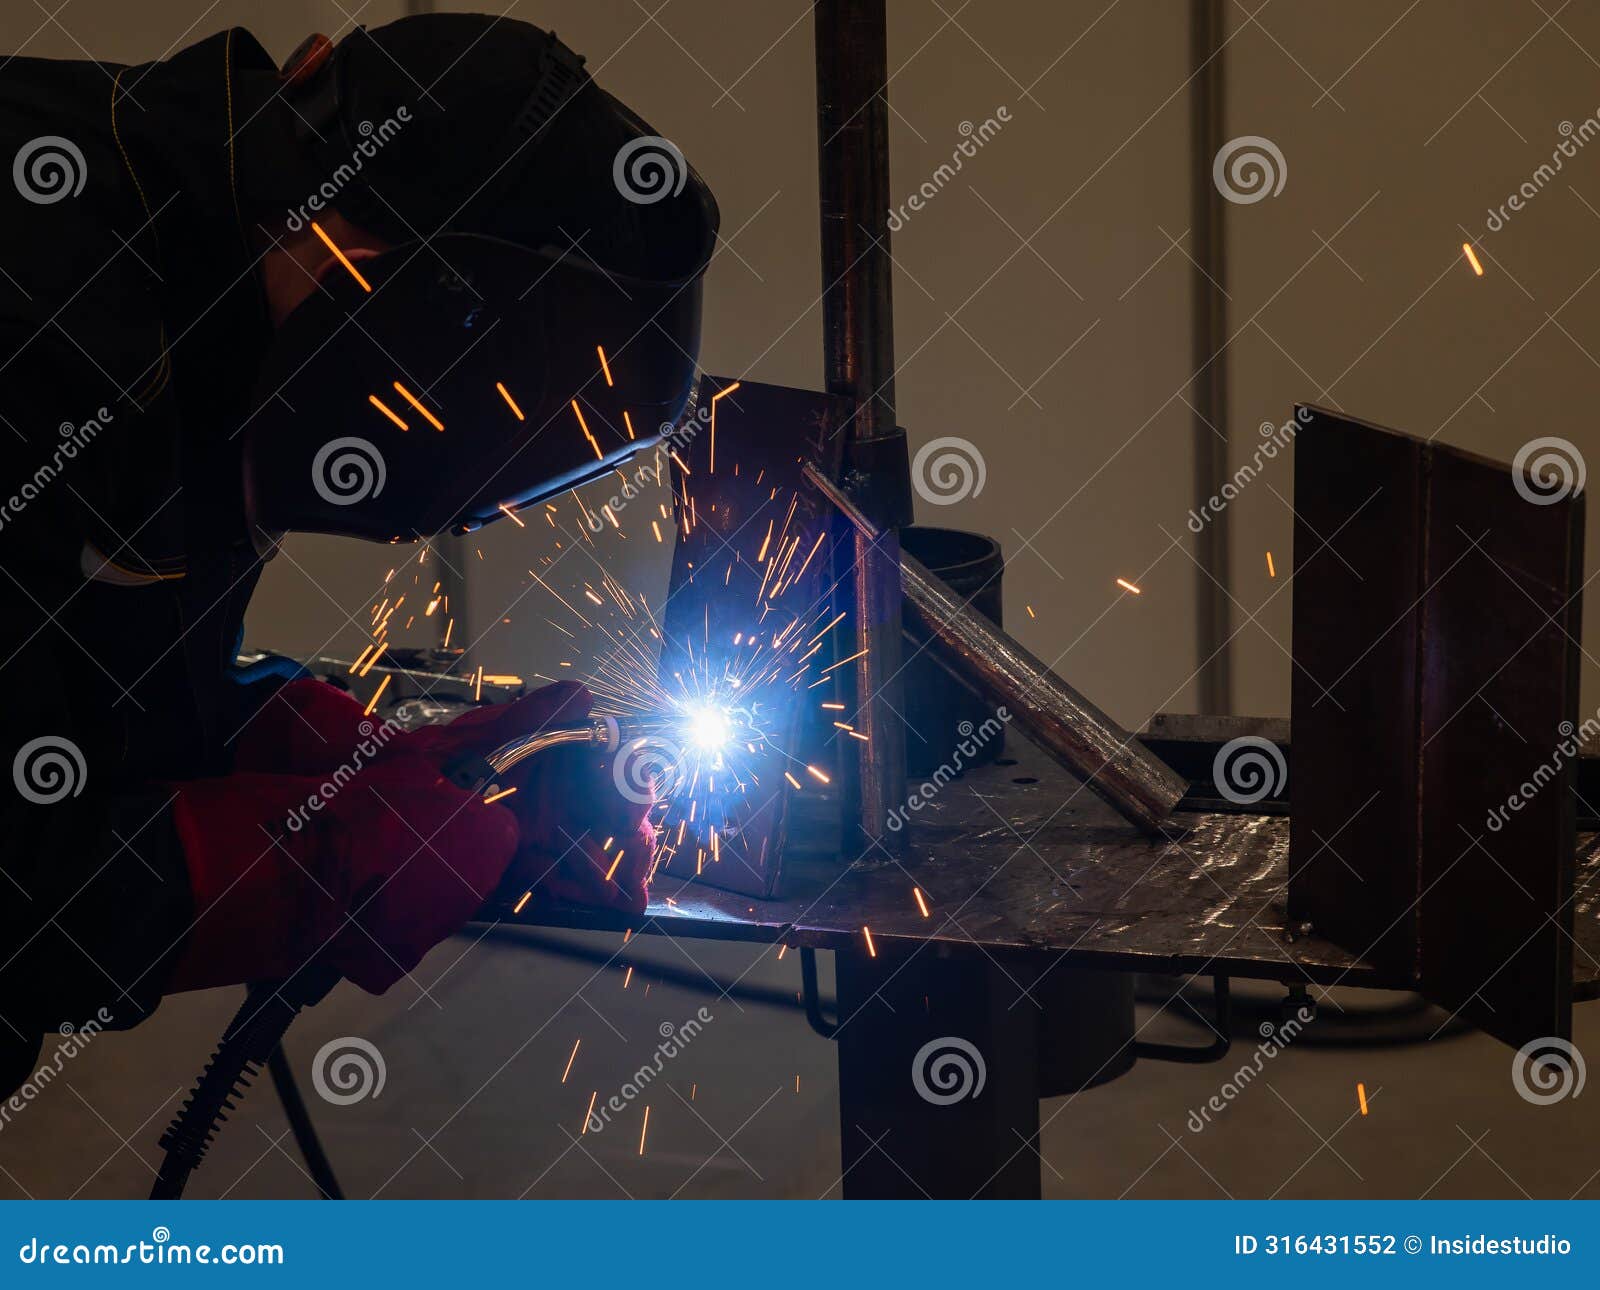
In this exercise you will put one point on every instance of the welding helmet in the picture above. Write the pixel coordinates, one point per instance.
(537, 322)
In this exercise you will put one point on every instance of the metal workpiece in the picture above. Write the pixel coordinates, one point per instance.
(1137, 784)
(858, 346)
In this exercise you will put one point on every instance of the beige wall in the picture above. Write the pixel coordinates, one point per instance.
(1089, 471)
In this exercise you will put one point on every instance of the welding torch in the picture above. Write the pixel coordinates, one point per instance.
(475, 771)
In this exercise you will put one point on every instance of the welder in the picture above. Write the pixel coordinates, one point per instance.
(400, 286)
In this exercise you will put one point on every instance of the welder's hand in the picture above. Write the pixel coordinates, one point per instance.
(369, 874)
(580, 839)
(572, 820)
(306, 727)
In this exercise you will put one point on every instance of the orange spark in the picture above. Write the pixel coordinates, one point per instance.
(921, 903)
(714, 398)
(604, 366)
(570, 1060)
(872, 949)
(504, 792)
(377, 694)
(510, 402)
(1477, 268)
(1128, 586)
(593, 442)
(340, 256)
(387, 411)
(412, 400)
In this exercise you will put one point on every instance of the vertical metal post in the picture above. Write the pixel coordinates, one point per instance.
(858, 344)
(1210, 331)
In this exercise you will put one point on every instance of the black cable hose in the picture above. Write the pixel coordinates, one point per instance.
(247, 1043)
(305, 1132)
(250, 1040)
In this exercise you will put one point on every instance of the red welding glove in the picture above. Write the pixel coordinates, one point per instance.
(371, 874)
(307, 727)
(571, 818)
(581, 840)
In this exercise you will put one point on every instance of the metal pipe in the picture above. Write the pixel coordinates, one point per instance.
(1209, 327)
(1112, 762)
(858, 340)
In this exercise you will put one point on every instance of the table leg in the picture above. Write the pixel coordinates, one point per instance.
(938, 1077)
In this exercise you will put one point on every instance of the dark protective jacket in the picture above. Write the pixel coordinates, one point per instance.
(132, 322)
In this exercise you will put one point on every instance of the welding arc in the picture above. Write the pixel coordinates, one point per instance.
(1131, 779)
